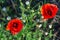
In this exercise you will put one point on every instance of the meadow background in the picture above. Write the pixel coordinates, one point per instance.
(29, 12)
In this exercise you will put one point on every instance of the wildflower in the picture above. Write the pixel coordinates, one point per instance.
(46, 33)
(50, 26)
(40, 25)
(15, 26)
(4, 9)
(20, 17)
(24, 21)
(27, 2)
(49, 10)
(8, 18)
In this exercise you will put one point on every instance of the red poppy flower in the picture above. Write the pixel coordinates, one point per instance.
(15, 26)
(49, 10)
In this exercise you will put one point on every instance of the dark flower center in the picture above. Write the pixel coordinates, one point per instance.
(49, 12)
(15, 25)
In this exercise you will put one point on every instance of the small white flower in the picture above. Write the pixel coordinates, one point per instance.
(46, 33)
(20, 17)
(50, 26)
(42, 17)
(24, 21)
(4, 9)
(8, 18)
(40, 25)
(27, 2)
